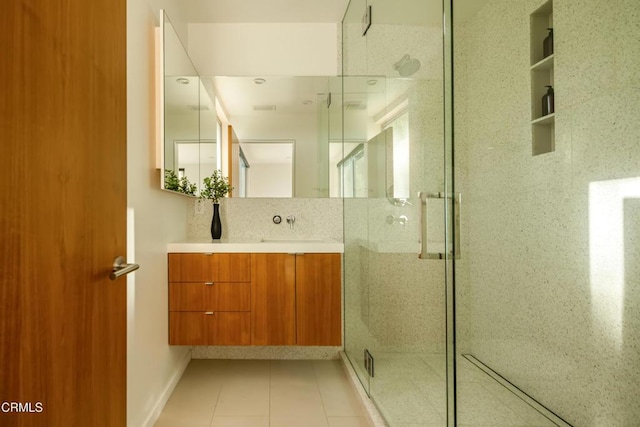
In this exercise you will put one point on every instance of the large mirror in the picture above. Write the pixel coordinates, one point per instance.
(191, 130)
(301, 136)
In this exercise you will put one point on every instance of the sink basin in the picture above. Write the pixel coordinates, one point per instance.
(293, 240)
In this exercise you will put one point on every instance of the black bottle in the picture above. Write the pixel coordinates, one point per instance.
(547, 102)
(547, 44)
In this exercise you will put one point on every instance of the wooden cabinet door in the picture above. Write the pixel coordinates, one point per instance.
(273, 296)
(319, 299)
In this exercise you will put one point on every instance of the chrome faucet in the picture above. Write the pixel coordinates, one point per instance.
(402, 219)
(290, 220)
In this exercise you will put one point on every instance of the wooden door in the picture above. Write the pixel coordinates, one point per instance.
(63, 212)
(318, 299)
(273, 295)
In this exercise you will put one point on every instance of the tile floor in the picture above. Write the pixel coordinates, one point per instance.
(408, 389)
(259, 393)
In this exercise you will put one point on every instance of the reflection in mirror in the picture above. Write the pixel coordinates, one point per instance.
(377, 156)
(190, 134)
(268, 169)
(295, 110)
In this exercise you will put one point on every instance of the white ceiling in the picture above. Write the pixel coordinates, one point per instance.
(288, 94)
(268, 152)
(387, 11)
(246, 11)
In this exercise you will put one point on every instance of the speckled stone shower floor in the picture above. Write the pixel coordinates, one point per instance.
(410, 390)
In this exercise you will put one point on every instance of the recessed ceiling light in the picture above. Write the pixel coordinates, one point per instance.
(372, 82)
(307, 102)
(259, 81)
(183, 80)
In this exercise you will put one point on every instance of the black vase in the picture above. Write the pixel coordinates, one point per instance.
(216, 225)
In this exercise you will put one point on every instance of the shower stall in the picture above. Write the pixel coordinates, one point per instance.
(491, 253)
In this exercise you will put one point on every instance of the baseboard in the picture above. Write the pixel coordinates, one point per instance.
(166, 393)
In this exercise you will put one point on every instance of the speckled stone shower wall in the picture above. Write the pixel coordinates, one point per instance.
(549, 284)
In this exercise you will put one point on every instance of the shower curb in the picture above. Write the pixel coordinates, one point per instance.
(371, 411)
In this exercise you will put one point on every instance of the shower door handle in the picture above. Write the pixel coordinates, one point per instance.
(424, 205)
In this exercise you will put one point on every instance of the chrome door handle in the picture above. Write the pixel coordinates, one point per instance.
(424, 199)
(120, 268)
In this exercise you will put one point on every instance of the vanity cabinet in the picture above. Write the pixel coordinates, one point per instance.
(209, 299)
(260, 299)
(296, 299)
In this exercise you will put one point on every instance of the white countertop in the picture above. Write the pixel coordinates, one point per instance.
(256, 246)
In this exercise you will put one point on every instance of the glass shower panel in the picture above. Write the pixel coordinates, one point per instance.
(323, 103)
(355, 125)
(395, 302)
(357, 176)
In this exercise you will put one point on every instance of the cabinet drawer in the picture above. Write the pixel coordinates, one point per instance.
(188, 328)
(209, 267)
(219, 296)
(219, 328)
(231, 328)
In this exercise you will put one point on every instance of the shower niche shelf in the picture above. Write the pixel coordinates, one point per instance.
(542, 70)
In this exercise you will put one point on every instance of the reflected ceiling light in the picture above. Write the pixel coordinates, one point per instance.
(183, 80)
(372, 82)
(259, 81)
(407, 65)
(307, 102)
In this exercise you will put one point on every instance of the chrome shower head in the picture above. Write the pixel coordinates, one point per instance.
(407, 66)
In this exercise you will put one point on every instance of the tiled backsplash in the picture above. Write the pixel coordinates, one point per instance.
(253, 218)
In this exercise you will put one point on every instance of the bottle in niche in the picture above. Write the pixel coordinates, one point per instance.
(547, 44)
(547, 102)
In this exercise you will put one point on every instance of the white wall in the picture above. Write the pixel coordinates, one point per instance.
(160, 217)
(267, 49)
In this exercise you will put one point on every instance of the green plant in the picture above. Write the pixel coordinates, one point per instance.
(215, 187)
(181, 185)
(186, 187)
(171, 181)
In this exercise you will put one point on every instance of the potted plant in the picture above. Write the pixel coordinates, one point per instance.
(215, 188)
(181, 185)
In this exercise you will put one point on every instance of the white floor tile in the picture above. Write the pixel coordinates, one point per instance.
(240, 422)
(349, 422)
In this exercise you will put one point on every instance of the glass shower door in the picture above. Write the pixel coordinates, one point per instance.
(398, 204)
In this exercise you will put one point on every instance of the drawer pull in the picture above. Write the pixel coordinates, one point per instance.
(209, 313)
(208, 283)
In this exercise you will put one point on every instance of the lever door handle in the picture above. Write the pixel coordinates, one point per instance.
(120, 268)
